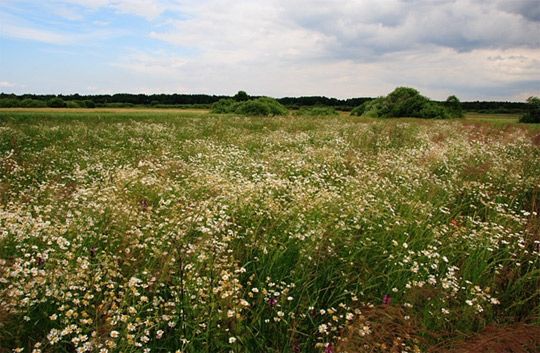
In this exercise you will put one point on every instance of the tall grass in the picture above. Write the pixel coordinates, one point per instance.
(168, 232)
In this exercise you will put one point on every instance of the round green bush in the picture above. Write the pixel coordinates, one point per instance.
(56, 103)
(406, 102)
(33, 103)
(89, 103)
(261, 107)
(224, 106)
(9, 102)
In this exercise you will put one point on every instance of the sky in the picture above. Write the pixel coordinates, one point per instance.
(475, 49)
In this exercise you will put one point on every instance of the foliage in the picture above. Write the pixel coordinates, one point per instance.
(89, 103)
(533, 111)
(317, 111)
(408, 102)
(241, 96)
(9, 102)
(310, 101)
(73, 104)
(134, 231)
(204, 101)
(263, 106)
(56, 103)
(32, 103)
(454, 107)
(359, 110)
(495, 107)
(432, 110)
(224, 106)
(370, 109)
(404, 102)
(118, 105)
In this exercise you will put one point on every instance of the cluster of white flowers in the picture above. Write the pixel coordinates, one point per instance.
(208, 233)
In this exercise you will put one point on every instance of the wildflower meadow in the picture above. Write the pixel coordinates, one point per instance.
(191, 232)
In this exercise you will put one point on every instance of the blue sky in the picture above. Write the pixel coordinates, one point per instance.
(476, 49)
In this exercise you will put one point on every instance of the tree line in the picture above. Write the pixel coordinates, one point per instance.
(206, 101)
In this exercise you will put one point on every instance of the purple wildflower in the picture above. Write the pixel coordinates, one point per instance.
(272, 301)
(144, 204)
(387, 299)
(329, 348)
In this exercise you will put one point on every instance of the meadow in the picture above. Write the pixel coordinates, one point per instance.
(182, 231)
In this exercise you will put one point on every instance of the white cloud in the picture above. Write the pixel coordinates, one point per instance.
(362, 29)
(349, 48)
(345, 48)
(345, 30)
(20, 28)
(68, 13)
(241, 32)
(22, 32)
(7, 84)
(149, 9)
(437, 72)
(157, 64)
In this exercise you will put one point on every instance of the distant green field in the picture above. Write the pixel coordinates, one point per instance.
(496, 118)
(181, 231)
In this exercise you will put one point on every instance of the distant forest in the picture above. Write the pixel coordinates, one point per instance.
(205, 101)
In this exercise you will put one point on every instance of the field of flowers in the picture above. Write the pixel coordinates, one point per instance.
(186, 232)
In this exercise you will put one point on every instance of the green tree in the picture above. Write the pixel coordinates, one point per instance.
(402, 102)
(533, 111)
(56, 103)
(33, 103)
(454, 106)
(89, 103)
(241, 96)
(9, 103)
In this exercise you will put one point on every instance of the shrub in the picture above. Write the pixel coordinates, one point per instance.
(432, 110)
(72, 104)
(370, 109)
(119, 105)
(263, 106)
(56, 103)
(317, 111)
(89, 104)
(359, 110)
(403, 102)
(32, 103)
(454, 107)
(253, 107)
(224, 106)
(9, 102)
(533, 111)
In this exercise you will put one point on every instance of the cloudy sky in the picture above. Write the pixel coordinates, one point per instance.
(476, 49)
